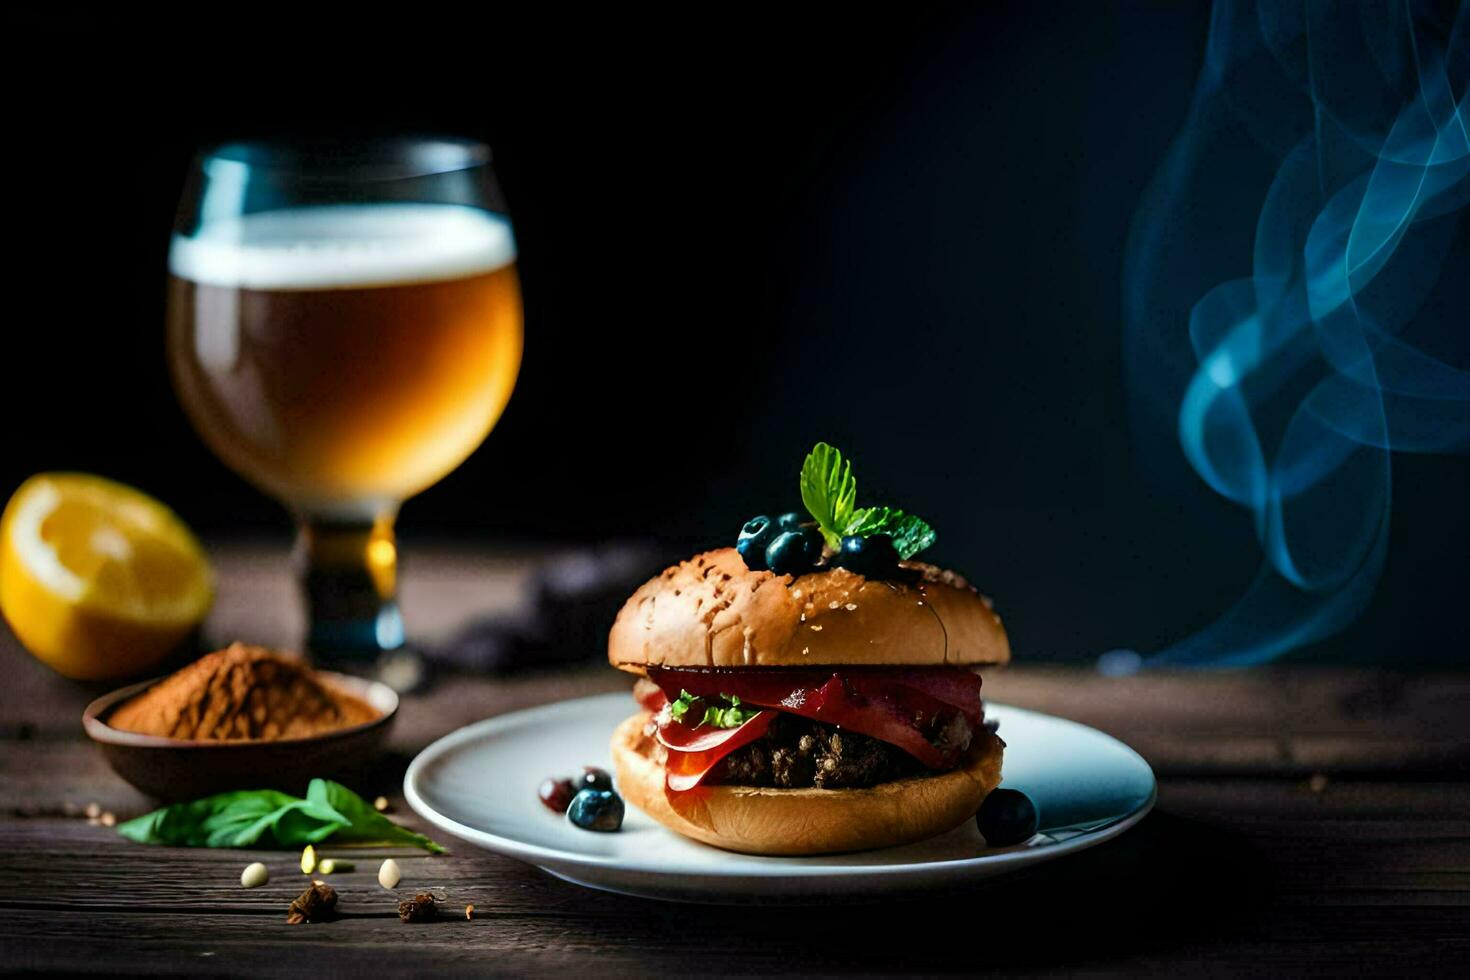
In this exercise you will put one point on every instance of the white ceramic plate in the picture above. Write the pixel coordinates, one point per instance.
(479, 784)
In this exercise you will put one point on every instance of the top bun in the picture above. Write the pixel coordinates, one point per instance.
(713, 611)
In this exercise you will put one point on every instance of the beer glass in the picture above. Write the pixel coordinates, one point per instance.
(344, 329)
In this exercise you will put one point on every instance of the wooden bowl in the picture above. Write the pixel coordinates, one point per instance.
(174, 769)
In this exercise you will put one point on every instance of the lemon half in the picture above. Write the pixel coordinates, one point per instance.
(97, 579)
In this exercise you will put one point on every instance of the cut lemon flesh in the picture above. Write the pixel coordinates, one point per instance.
(97, 579)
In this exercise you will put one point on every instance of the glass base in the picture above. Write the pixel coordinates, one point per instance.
(348, 572)
(353, 639)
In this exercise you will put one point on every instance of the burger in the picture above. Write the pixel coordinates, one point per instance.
(813, 689)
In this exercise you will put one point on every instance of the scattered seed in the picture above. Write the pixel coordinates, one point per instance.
(381, 804)
(390, 874)
(254, 875)
(108, 819)
(333, 865)
(308, 860)
(1317, 783)
(94, 812)
(469, 911)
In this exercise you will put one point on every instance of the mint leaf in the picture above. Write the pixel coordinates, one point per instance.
(910, 534)
(728, 714)
(828, 490)
(871, 520)
(269, 818)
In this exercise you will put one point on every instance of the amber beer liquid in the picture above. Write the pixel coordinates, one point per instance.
(345, 357)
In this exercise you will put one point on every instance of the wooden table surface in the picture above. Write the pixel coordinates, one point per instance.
(1309, 821)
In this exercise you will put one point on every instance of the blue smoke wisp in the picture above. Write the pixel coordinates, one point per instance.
(1290, 387)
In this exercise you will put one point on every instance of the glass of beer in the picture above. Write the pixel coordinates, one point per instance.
(344, 328)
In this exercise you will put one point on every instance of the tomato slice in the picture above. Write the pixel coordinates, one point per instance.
(693, 752)
(895, 705)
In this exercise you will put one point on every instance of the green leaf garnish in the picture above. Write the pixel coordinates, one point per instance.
(678, 709)
(910, 534)
(268, 818)
(725, 712)
(829, 491)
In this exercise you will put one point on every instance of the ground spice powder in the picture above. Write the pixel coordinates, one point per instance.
(243, 692)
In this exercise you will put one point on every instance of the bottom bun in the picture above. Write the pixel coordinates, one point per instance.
(760, 820)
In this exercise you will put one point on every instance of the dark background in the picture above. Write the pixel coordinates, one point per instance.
(740, 232)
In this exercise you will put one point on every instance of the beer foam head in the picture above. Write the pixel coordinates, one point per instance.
(341, 246)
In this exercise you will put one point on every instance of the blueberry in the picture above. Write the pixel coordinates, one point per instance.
(754, 538)
(791, 521)
(794, 552)
(851, 553)
(596, 809)
(875, 556)
(1006, 817)
(556, 794)
(595, 778)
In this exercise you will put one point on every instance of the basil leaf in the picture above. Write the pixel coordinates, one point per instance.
(269, 818)
(365, 824)
(235, 819)
(298, 822)
(210, 822)
(828, 490)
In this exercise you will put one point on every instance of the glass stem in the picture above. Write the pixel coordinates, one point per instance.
(349, 576)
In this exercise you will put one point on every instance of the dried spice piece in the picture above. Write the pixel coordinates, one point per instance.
(421, 908)
(316, 904)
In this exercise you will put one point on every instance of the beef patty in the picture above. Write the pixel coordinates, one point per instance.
(797, 752)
